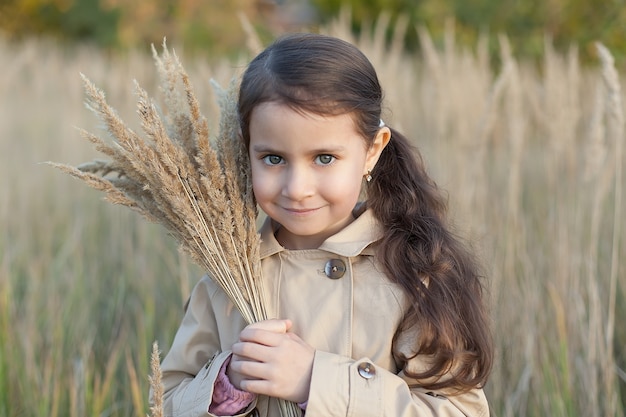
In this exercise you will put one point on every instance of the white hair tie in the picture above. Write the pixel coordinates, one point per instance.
(381, 123)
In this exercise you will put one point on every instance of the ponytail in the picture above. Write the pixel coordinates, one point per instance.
(435, 270)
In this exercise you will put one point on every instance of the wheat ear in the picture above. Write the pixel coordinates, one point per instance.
(156, 409)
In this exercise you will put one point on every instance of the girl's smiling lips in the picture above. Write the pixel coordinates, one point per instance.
(300, 210)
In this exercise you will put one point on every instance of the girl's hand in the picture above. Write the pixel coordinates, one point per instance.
(269, 360)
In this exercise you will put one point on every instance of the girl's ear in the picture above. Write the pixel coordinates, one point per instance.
(378, 144)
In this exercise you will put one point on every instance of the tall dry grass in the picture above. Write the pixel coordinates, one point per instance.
(193, 182)
(531, 155)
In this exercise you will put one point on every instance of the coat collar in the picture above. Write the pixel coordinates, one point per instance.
(355, 239)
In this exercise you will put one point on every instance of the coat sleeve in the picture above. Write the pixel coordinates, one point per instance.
(341, 386)
(200, 347)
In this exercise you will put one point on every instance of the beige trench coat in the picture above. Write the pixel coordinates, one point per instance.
(349, 318)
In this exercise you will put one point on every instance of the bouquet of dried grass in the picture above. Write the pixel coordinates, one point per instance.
(199, 190)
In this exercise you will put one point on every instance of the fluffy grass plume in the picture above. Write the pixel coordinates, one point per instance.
(197, 187)
(199, 191)
(156, 410)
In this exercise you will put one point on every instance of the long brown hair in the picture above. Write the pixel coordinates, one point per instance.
(327, 76)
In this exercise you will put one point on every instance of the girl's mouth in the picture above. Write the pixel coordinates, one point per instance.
(299, 210)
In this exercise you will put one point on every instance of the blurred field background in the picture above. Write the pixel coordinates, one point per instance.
(522, 125)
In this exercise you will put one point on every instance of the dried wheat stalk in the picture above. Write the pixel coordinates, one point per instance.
(156, 409)
(199, 191)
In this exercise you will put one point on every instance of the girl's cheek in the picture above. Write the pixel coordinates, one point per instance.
(262, 182)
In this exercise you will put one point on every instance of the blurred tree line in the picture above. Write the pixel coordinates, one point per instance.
(526, 23)
(214, 25)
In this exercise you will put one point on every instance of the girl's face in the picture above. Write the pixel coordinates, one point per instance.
(307, 171)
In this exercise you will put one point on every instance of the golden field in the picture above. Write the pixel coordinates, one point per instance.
(531, 154)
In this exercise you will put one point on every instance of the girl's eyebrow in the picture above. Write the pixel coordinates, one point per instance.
(329, 150)
(335, 149)
(261, 149)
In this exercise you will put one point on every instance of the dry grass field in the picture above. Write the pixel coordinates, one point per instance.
(532, 155)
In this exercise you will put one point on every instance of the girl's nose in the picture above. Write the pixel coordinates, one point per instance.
(299, 183)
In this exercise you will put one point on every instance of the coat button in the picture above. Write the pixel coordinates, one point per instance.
(366, 370)
(335, 268)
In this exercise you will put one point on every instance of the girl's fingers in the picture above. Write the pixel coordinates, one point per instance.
(257, 351)
(251, 370)
(261, 337)
(257, 386)
(272, 325)
(268, 332)
(295, 390)
(270, 360)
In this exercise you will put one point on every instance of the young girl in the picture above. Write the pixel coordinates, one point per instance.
(379, 308)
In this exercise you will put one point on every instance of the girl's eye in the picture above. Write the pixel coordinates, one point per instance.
(272, 159)
(325, 159)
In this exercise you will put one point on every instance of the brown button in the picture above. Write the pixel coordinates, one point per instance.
(335, 268)
(366, 370)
